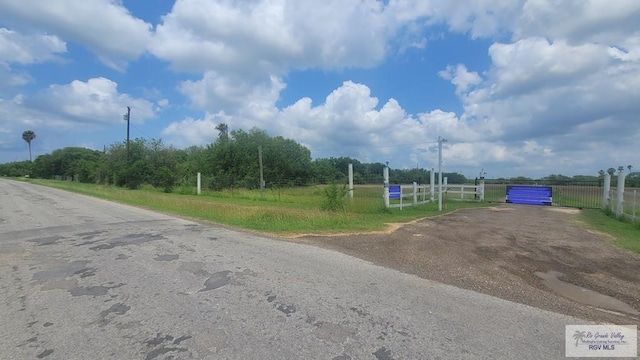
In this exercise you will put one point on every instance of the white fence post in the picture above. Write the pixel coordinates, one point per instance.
(433, 184)
(415, 193)
(462, 192)
(351, 181)
(445, 182)
(620, 195)
(386, 186)
(482, 189)
(199, 191)
(607, 189)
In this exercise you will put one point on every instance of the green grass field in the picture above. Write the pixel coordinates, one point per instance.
(286, 211)
(625, 233)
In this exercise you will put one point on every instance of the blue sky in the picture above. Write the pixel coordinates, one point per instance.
(528, 88)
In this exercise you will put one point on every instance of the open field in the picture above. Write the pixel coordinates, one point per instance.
(285, 211)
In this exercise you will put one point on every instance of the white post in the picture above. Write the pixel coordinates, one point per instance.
(462, 192)
(440, 141)
(351, 181)
(433, 184)
(606, 191)
(481, 189)
(386, 186)
(199, 184)
(620, 195)
(443, 188)
(415, 193)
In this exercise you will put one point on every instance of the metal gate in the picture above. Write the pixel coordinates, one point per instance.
(571, 193)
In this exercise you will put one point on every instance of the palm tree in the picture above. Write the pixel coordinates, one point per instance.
(579, 336)
(28, 136)
(224, 131)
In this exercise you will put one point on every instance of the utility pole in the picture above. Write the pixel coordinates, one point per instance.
(127, 117)
(440, 141)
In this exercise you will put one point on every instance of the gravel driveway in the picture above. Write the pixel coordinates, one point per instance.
(538, 256)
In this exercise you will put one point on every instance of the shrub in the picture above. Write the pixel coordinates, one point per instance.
(335, 198)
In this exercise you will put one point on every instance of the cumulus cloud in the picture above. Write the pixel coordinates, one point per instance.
(24, 49)
(63, 111)
(104, 26)
(562, 74)
(28, 49)
(191, 131)
(234, 95)
(459, 76)
(271, 37)
(95, 101)
(537, 88)
(578, 21)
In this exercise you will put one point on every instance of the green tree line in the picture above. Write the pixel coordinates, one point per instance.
(231, 161)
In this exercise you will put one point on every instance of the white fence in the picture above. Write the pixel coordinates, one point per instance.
(624, 203)
(630, 205)
(399, 196)
(466, 192)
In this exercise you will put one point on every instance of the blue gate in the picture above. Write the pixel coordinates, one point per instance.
(529, 195)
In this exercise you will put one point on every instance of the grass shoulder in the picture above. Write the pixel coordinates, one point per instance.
(283, 212)
(625, 234)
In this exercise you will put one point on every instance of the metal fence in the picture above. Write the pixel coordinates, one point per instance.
(575, 194)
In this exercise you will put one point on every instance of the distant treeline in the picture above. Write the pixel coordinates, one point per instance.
(231, 161)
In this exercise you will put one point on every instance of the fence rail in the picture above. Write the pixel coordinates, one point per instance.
(629, 207)
(417, 195)
(576, 194)
(412, 195)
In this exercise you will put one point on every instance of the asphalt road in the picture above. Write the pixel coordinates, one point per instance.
(82, 278)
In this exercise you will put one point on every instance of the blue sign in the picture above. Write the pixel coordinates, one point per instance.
(394, 192)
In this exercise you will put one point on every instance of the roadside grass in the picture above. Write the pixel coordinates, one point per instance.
(293, 211)
(285, 211)
(625, 233)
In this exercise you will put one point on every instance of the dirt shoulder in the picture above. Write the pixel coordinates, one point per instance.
(498, 251)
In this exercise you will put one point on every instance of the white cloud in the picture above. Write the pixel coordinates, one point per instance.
(463, 79)
(534, 64)
(579, 21)
(271, 37)
(28, 49)
(104, 26)
(191, 131)
(251, 98)
(538, 89)
(22, 49)
(96, 101)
